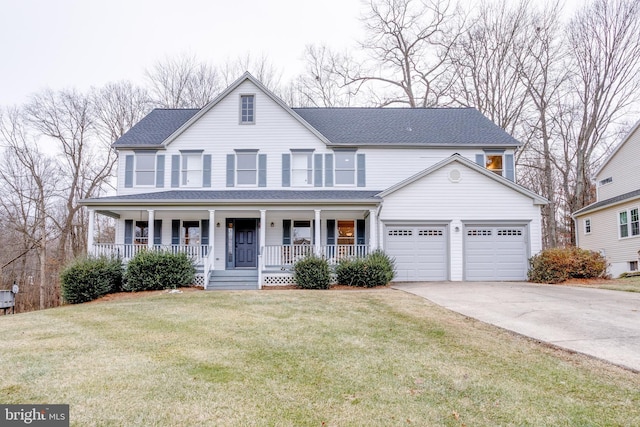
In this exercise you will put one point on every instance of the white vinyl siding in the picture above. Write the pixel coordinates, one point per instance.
(622, 169)
(605, 237)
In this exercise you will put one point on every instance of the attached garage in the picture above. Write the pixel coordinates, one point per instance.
(420, 252)
(495, 252)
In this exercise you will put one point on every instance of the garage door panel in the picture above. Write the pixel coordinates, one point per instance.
(420, 252)
(495, 253)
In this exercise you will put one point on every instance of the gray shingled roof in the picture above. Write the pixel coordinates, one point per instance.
(411, 126)
(155, 127)
(355, 126)
(242, 195)
(609, 202)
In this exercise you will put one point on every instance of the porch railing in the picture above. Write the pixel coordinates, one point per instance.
(287, 255)
(198, 253)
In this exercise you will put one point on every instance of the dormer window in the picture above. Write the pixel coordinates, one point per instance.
(498, 162)
(494, 163)
(247, 109)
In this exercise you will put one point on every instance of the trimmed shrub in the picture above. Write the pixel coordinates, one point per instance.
(86, 279)
(153, 270)
(377, 269)
(312, 272)
(559, 264)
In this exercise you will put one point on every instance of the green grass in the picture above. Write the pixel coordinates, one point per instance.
(299, 358)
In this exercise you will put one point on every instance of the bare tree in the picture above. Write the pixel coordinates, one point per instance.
(27, 180)
(320, 85)
(488, 60)
(66, 120)
(183, 82)
(605, 77)
(407, 48)
(544, 76)
(119, 106)
(260, 67)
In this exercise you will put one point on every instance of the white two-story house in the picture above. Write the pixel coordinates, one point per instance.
(247, 186)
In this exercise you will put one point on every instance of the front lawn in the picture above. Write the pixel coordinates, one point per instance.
(299, 358)
(627, 284)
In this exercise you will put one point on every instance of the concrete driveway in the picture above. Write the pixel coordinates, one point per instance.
(600, 323)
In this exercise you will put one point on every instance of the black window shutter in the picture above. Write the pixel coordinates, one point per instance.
(157, 231)
(331, 232)
(204, 224)
(286, 231)
(128, 231)
(360, 232)
(175, 231)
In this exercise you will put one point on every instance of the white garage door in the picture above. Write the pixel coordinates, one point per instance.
(495, 253)
(420, 252)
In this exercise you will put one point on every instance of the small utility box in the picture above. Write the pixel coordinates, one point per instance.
(8, 299)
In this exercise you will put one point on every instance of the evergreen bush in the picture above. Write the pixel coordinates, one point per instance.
(312, 272)
(154, 270)
(86, 279)
(376, 269)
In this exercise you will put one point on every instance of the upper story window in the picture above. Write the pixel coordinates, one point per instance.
(345, 167)
(587, 226)
(247, 109)
(605, 181)
(494, 163)
(191, 170)
(302, 168)
(247, 168)
(629, 223)
(145, 171)
(498, 162)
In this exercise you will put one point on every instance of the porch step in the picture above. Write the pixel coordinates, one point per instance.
(233, 280)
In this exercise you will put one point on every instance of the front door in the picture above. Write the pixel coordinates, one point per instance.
(246, 243)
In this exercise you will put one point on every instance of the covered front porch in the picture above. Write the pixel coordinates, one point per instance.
(228, 245)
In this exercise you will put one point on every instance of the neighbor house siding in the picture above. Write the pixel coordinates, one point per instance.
(623, 168)
(604, 237)
(475, 198)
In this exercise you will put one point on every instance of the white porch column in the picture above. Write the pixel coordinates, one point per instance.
(316, 233)
(263, 230)
(373, 230)
(150, 237)
(212, 228)
(92, 220)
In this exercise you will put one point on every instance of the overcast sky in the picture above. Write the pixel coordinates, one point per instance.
(80, 43)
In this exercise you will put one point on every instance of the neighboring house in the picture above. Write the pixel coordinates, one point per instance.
(611, 225)
(247, 186)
